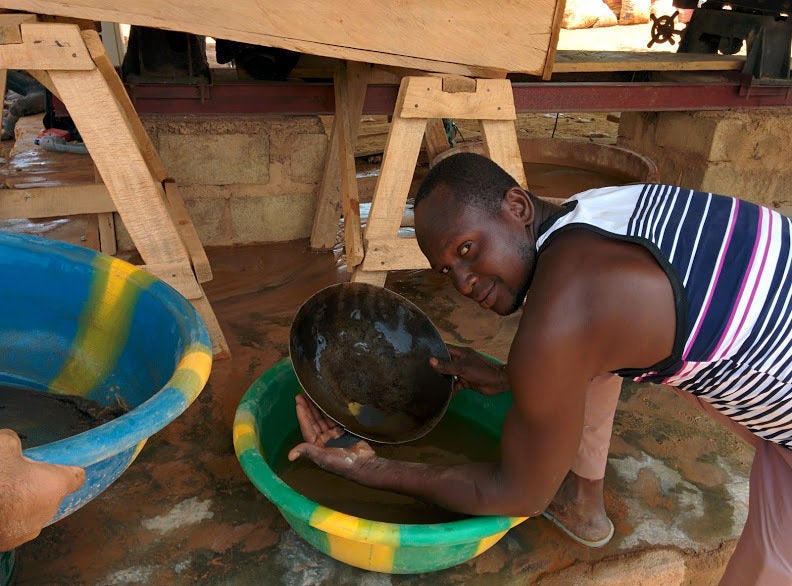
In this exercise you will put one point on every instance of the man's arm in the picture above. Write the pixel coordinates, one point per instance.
(539, 440)
(595, 305)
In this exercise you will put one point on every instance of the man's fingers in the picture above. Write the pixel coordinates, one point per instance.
(441, 366)
(73, 476)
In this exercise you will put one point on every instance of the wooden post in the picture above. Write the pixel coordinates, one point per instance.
(350, 80)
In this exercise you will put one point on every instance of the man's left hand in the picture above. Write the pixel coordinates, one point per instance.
(317, 430)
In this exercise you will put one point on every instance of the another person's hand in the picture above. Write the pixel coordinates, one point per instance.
(30, 491)
(472, 371)
(317, 430)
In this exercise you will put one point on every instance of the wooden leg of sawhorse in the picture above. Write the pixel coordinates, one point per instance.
(338, 190)
(421, 99)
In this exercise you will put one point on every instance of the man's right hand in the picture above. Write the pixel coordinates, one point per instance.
(30, 491)
(473, 371)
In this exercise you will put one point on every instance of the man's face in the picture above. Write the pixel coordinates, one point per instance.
(488, 258)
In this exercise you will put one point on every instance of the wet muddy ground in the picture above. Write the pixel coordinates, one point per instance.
(185, 512)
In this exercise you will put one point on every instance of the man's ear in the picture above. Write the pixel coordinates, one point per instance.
(519, 204)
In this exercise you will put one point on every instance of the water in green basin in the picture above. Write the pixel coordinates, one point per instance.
(455, 440)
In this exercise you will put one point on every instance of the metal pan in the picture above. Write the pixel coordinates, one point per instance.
(361, 353)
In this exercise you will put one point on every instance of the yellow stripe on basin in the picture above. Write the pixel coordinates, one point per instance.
(245, 432)
(103, 325)
(193, 370)
(356, 541)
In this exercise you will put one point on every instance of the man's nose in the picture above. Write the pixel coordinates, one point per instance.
(464, 281)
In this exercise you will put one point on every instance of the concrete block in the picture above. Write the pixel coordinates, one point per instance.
(210, 211)
(218, 159)
(686, 132)
(272, 218)
(307, 158)
(754, 185)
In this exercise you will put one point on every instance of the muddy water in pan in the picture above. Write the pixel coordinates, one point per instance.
(40, 418)
(455, 440)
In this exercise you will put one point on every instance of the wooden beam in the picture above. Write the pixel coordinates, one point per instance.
(107, 233)
(47, 46)
(424, 97)
(9, 27)
(47, 202)
(396, 173)
(435, 138)
(350, 201)
(393, 254)
(329, 206)
(500, 140)
(611, 61)
(189, 235)
(178, 275)
(44, 79)
(105, 66)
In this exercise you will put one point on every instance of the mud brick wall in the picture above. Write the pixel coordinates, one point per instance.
(244, 179)
(740, 153)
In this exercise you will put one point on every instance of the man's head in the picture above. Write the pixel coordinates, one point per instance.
(475, 224)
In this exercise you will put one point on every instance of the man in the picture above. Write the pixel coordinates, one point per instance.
(651, 282)
(30, 492)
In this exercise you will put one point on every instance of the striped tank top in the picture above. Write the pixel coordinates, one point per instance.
(730, 266)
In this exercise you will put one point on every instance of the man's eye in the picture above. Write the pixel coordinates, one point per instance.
(465, 248)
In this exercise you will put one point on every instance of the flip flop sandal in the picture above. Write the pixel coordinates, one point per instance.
(599, 543)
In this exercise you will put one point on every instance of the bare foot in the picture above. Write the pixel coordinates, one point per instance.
(578, 505)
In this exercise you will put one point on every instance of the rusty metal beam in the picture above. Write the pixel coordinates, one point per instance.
(724, 92)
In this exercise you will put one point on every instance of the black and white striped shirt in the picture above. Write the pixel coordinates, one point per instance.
(730, 265)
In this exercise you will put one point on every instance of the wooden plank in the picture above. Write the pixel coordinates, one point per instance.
(345, 80)
(220, 347)
(424, 98)
(555, 33)
(178, 275)
(442, 35)
(604, 61)
(47, 46)
(328, 201)
(435, 138)
(105, 66)
(377, 278)
(47, 202)
(396, 173)
(138, 197)
(107, 233)
(329, 204)
(189, 235)
(44, 79)
(500, 139)
(9, 27)
(92, 238)
(394, 254)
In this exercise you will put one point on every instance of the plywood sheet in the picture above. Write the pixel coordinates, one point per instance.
(453, 36)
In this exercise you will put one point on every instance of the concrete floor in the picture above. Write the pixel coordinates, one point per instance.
(185, 512)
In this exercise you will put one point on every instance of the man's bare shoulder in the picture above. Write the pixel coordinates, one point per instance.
(595, 292)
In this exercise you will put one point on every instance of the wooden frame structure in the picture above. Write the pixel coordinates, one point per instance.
(422, 102)
(72, 64)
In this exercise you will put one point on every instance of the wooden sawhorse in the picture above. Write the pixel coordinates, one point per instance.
(372, 252)
(72, 64)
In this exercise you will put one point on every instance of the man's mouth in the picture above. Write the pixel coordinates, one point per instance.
(488, 299)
